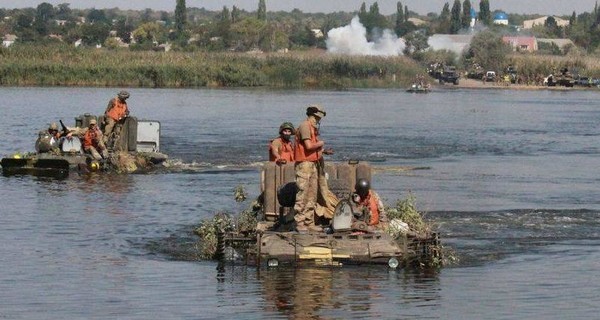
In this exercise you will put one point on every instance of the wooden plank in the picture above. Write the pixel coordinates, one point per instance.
(270, 195)
(363, 170)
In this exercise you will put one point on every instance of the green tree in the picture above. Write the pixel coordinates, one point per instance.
(235, 14)
(63, 12)
(23, 26)
(44, 13)
(455, 23)
(124, 28)
(96, 15)
(372, 19)
(466, 14)
(485, 16)
(399, 20)
(247, 34)
(552, 28)
(223, 27)
(94, 33)
(443, 21)
(262, 10)
(488, 50)
(416, 41)
(180, 17)
(150, 33)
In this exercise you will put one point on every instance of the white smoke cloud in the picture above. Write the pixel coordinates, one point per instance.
(352, 40)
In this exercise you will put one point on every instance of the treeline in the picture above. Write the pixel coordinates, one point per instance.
(234, 29)
(61, 65)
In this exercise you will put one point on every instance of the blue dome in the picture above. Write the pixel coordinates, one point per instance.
(500, 16)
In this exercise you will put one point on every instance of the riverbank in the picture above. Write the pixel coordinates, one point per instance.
(478, 84)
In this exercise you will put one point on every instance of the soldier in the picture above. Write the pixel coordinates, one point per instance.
(92, 142)
(281, 150)
(116, 112)
(308, 155)
(369, 206)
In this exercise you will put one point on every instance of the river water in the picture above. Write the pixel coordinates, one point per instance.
(510, 179)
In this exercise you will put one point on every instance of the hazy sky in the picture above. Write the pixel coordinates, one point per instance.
(555, 7)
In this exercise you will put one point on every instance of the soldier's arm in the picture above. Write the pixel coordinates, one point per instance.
(110, 105)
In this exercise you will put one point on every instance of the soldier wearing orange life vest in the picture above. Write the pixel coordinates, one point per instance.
(308, 154)
(370, 209)
(116, 112)
(92, 141)
(281, 150)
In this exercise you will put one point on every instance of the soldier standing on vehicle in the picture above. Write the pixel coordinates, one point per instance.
(281, 150)
(308, 155)
(116, 112)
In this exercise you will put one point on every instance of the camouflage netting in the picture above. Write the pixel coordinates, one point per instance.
(406, 210)
(244, 224)
(124, 162)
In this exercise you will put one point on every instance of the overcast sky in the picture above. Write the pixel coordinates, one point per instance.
(554, 7)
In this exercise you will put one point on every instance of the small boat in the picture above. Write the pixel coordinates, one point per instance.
(135, 149)
(418, 88)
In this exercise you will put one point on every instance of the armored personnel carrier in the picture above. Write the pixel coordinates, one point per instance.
(345, 239)
(135, 149)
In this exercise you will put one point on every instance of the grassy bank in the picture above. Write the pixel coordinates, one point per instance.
(68, 66)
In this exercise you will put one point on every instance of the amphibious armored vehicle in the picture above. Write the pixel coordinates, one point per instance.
(136, 148)
(274, 242)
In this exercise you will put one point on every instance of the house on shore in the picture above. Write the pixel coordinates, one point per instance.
(520, 43)
(8, 40)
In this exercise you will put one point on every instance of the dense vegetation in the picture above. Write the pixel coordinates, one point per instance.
(61, 65)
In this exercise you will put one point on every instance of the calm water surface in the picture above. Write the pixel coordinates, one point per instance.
(510, 179)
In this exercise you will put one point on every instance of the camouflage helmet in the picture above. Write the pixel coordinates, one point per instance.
(53, 126)
(286, 125)
(316, 110)
(362, 187)
(123, 95)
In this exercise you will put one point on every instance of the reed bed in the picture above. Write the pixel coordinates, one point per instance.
(67, 66)
(532, 65)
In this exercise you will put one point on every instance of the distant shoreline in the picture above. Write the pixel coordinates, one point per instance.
(478, 84)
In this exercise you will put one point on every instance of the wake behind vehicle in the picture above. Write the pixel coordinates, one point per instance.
(135, 149)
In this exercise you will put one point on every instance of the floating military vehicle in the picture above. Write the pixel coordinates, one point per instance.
(346, 239)
(135, 149)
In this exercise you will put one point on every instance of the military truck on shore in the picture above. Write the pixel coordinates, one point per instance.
(444, 73)
(563, 78)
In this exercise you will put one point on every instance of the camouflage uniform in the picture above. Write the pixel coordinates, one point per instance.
(307, 173)
(306, 198)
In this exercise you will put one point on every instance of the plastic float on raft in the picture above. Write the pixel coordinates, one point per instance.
(135, 149)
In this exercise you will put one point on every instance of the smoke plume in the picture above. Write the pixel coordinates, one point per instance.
(352, 40)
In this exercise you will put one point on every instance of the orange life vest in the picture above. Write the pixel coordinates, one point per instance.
(90, 139)
(286, 152)
(118, 110)
(371, 202)
(300, 152)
